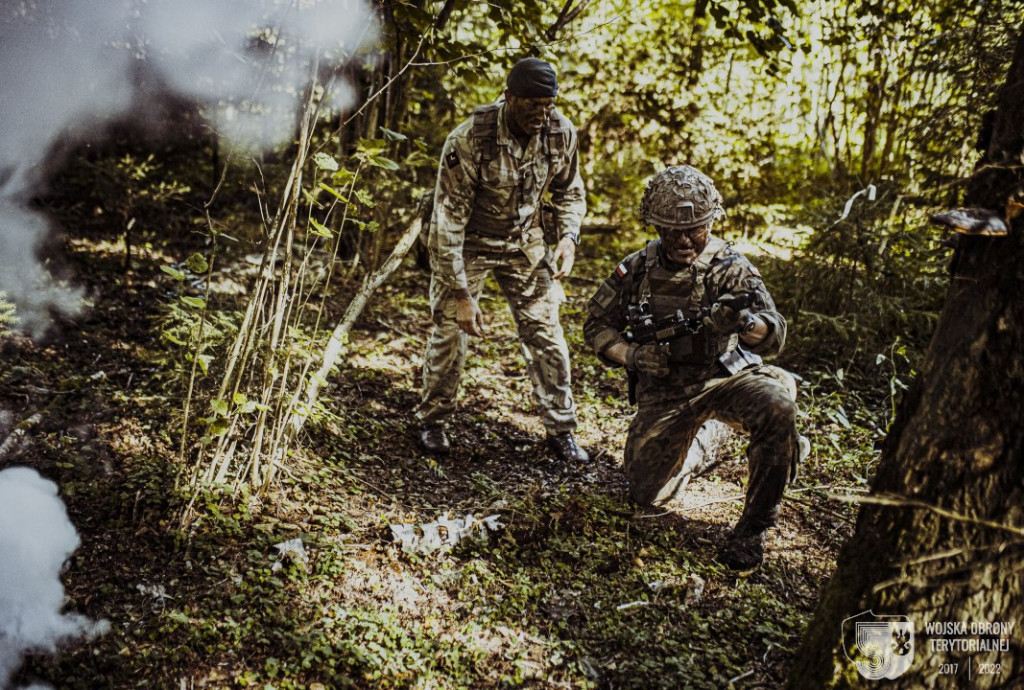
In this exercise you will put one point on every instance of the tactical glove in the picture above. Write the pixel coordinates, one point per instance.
(651, 359)
(724, 319)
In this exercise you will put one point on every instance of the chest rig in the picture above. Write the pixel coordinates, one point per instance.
(663, 292)
(555, 142)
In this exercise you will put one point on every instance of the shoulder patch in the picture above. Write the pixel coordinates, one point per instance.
(602, 299)
(452, 159)
(621, 270)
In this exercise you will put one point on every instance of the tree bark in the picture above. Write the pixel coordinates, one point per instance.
(940, 538)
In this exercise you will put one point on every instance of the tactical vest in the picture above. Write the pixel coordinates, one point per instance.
(556, 139)
(668, 291)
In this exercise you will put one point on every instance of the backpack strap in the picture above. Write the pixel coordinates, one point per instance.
(648, 258)
(716, 251)
(558, 135)
(485, 132)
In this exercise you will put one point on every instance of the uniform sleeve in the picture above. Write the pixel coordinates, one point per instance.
(608, 309)
(739, 278)
(568, 195)
(457, 177)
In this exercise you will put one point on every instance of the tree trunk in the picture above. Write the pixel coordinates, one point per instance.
(940, 538)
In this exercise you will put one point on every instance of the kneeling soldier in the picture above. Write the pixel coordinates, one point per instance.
(689, 317)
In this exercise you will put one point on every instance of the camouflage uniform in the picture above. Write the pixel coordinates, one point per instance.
(757, 399)
(486, 203)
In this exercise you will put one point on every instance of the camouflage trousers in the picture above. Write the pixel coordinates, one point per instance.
(760, 401)
(534, 299)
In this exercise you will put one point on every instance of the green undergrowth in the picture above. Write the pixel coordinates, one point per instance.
(577, 588)
(573, 591)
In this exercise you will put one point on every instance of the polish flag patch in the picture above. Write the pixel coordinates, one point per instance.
(621, 270)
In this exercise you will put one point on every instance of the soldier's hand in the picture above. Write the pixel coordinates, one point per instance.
(469, 317)
(723, 318)
(651, 359)
(564, 257)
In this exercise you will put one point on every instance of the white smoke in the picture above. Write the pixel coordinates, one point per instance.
(69, 67)
(36, 538)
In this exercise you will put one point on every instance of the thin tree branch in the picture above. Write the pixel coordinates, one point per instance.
(444, 15)
(903, 502)
(565, 17)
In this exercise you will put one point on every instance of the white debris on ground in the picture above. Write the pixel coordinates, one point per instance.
(695, 590)
(444, 533)
(292, 551)
(694, 585)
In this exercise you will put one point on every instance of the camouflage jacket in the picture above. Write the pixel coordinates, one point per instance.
(488, 192)
(641, 277)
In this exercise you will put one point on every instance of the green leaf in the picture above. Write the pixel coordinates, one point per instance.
(219, 406)
(325, 162)
(197, 302)
(310, 199)
(168, 335)
(178, 617)
(318, 229)
(382, 162)
(204, 363)
(240, 398)
(371, 147)
(173, 272)
(393, 135)
(219, 427)
(334, 192)
(364, 198)
(197, 263)
(343, 177)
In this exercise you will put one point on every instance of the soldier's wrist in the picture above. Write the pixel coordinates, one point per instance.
(572, 235)
(462, 294)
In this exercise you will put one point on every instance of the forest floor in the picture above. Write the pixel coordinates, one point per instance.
(575, 587)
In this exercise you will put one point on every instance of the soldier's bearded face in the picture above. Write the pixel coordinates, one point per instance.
(529, 115)
(682, 247)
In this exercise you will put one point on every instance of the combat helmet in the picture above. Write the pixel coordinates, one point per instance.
(681, 197)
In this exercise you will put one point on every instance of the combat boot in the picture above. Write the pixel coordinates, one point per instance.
(433, 440)
(744, 550)
(566, 448)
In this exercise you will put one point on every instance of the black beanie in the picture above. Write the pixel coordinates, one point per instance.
(532, 78)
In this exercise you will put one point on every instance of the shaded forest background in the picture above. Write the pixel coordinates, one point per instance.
(247, 369)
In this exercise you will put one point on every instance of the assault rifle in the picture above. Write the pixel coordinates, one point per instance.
(643, 328)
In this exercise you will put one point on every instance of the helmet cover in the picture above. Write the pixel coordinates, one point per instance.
(681, 197)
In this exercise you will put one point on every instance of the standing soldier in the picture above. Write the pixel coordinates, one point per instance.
(494, 169)
(689, 317)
